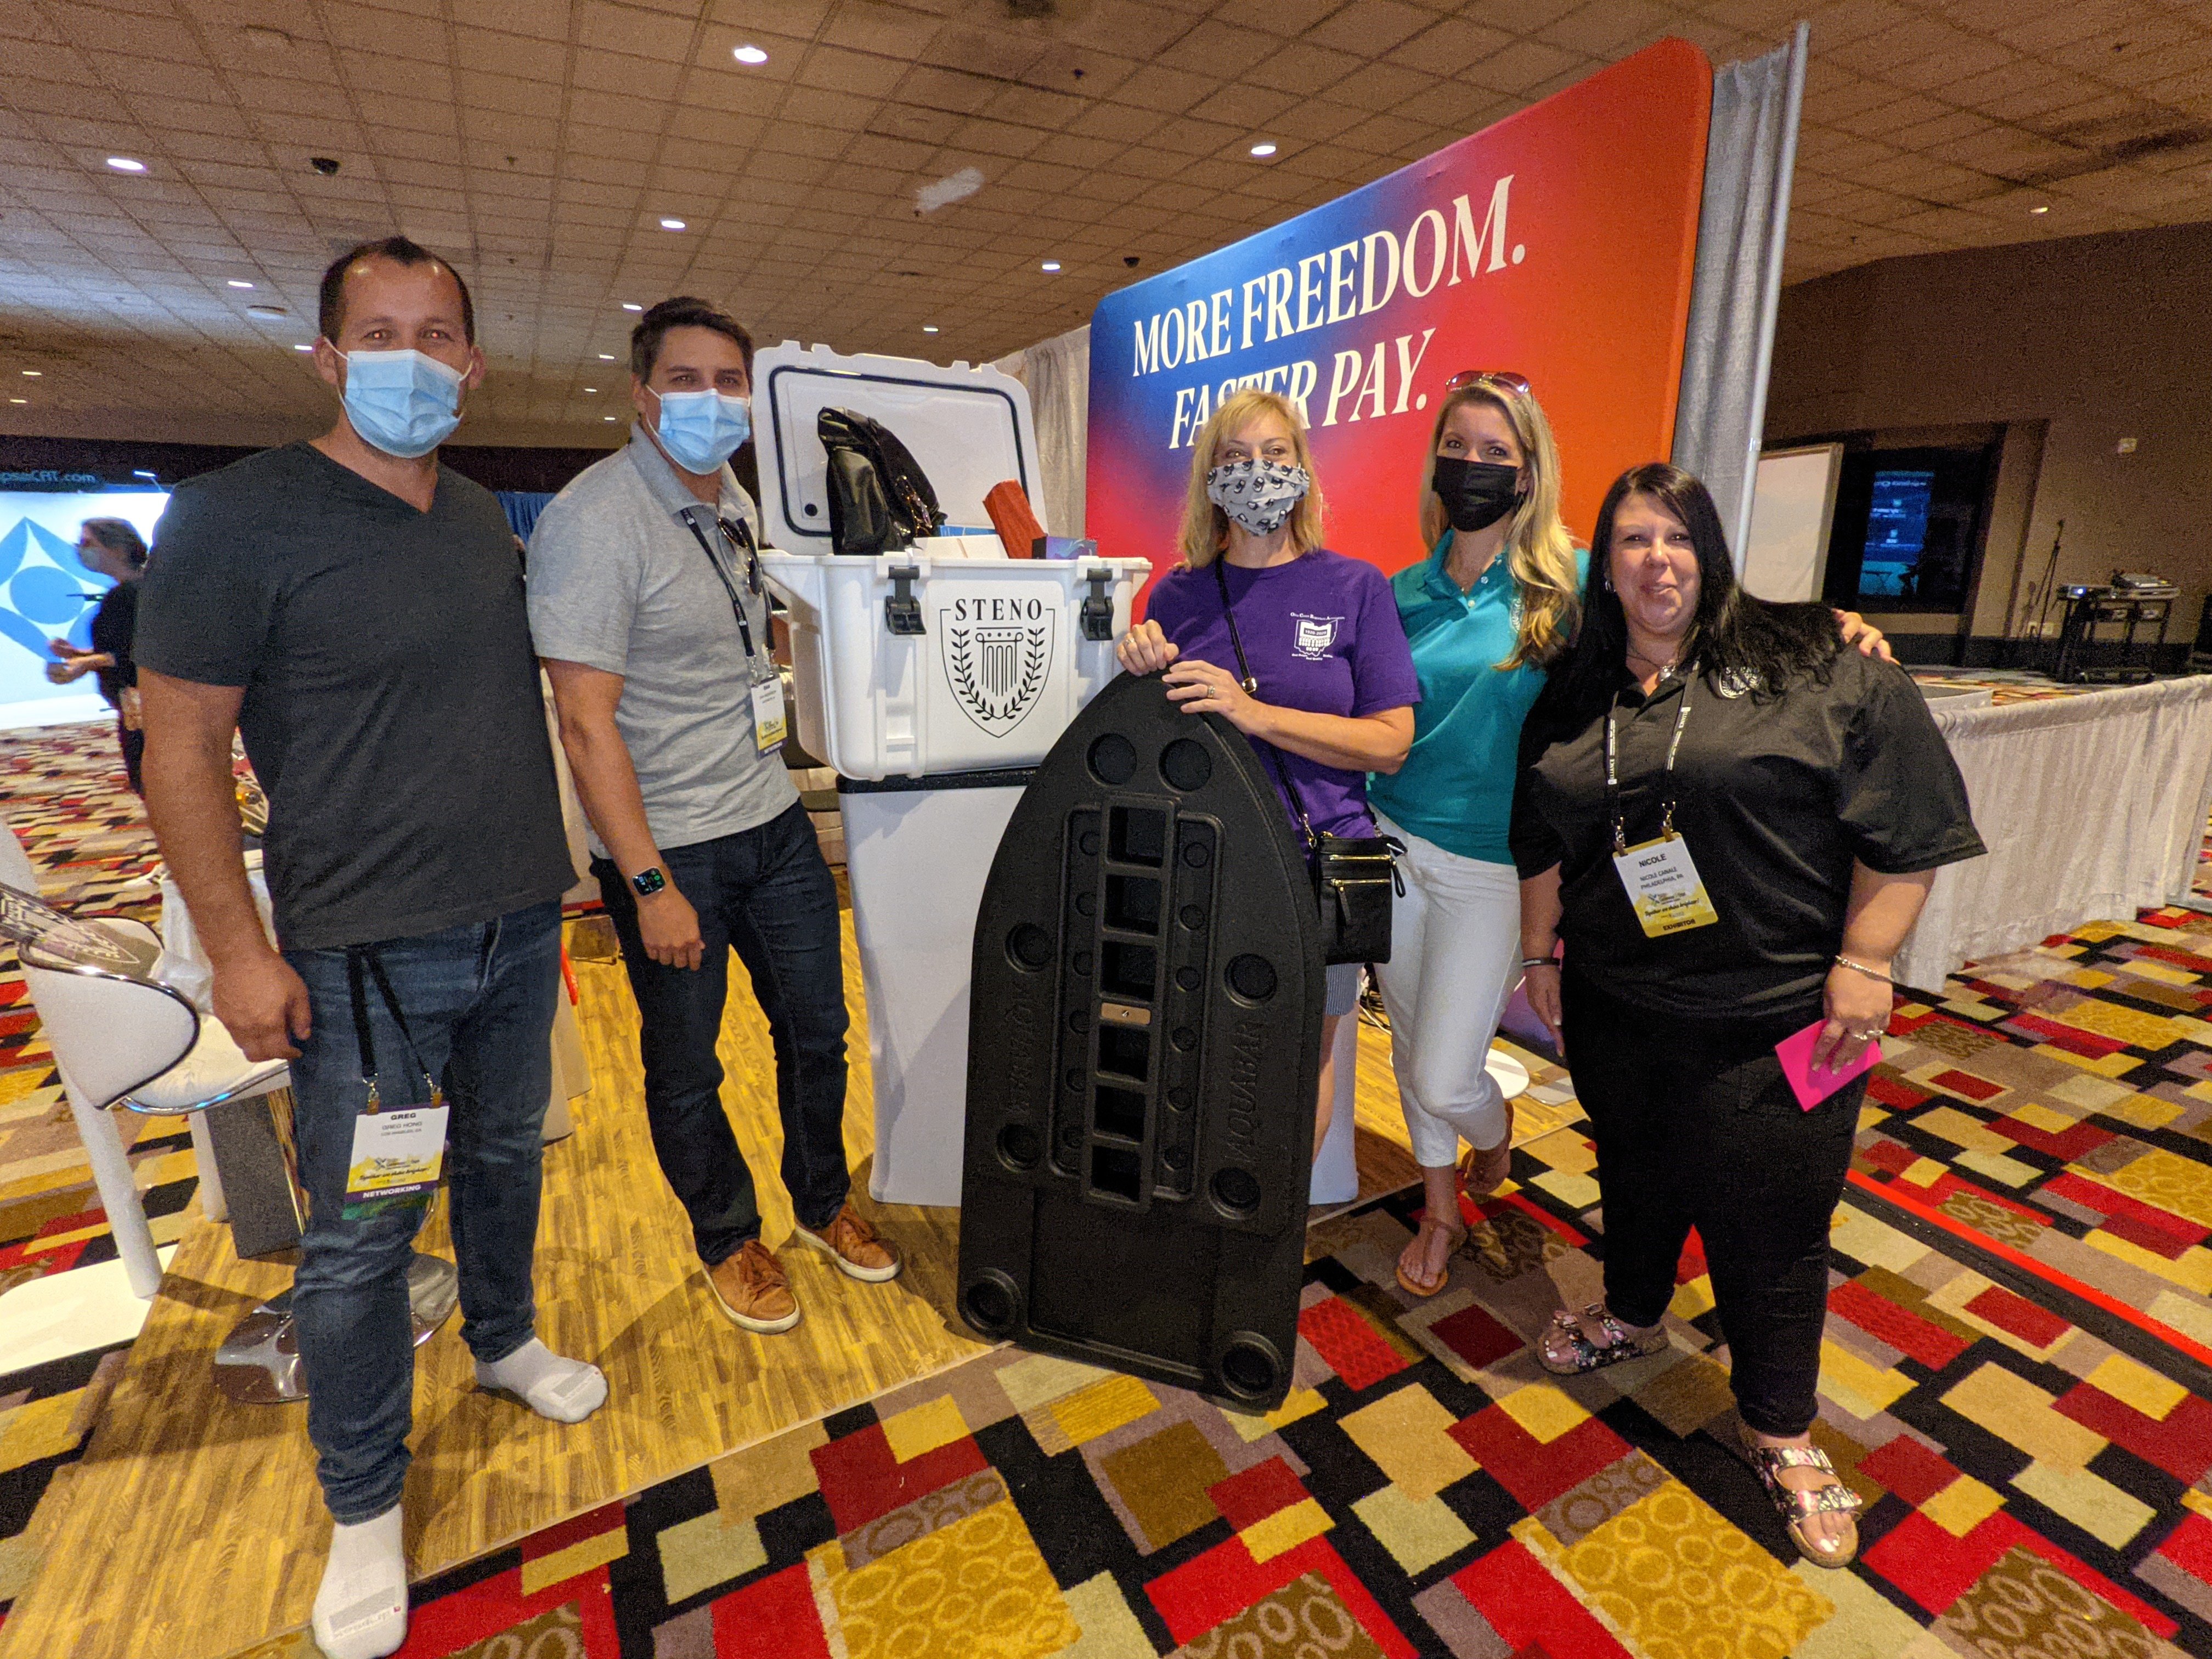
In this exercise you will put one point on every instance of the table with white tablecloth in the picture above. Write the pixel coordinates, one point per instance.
(2092, 806)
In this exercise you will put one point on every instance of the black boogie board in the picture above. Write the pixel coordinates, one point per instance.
(1143, 1050)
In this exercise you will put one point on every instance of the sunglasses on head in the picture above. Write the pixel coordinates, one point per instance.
(1488, 377)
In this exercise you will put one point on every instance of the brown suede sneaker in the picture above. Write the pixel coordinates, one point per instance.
(753, 1291)
(853, 1244)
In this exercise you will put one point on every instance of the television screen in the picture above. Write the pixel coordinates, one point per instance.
(45, 593)
(1897, 532)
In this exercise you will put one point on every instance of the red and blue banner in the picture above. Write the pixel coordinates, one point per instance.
(1558, 244)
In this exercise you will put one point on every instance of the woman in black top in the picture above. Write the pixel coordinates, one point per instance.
(1784, 805)
(111, 548)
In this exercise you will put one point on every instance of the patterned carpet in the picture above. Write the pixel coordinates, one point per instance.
(2032, 1217)
(2059, 1103)
(1427, 1489)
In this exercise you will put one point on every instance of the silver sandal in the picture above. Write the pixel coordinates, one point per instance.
(1620, 1344)
(1796, 1507)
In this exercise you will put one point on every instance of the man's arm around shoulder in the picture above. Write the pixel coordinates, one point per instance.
(192, 801)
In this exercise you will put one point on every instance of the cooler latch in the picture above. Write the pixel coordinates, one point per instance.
(902, 610)
(1096, 615)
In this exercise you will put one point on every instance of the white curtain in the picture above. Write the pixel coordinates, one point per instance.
(1749, 155)
(1057, 373)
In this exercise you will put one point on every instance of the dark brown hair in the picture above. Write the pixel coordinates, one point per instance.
(117, 536)
(684, 311)
(330, 303)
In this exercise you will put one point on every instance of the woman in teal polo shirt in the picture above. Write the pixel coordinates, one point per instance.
(1492, 607)
(1494, 604)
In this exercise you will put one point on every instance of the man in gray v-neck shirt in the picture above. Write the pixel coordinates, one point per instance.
(355, 610)
(646, 607)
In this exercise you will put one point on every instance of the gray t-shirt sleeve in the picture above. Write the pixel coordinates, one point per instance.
(205, 604)
(583, 588)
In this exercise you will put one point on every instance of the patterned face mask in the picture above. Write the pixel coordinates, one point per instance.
(1258, 495)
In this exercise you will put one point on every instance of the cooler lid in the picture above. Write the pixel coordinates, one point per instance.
(970, 428)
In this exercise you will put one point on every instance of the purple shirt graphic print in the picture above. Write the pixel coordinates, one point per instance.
(1322, 634)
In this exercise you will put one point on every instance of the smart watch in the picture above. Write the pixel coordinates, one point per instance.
(648, 882)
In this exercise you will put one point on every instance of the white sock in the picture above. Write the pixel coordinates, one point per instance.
(566, 1390)
(360, 1607)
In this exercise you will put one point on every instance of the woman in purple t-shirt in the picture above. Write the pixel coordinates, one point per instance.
(1320, 631)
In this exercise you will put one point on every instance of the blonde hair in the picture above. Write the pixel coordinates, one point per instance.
(1539, 551)
(1205, 526)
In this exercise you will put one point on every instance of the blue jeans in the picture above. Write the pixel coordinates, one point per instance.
(478, 999)
(765, 893)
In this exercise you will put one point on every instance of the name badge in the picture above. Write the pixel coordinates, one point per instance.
(1664, 888)
(398, 1157)
(768, 724)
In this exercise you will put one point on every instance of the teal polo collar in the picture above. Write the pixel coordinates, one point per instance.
(1438, 584)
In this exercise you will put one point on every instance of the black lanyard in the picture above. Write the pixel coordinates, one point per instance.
(1251, 684)
(739, 534)
(357, 956)
(1667, 778)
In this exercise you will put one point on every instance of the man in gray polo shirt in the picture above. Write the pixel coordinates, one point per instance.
(646, 606)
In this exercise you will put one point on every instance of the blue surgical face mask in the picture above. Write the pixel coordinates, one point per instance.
(403, 403)
(701, 429)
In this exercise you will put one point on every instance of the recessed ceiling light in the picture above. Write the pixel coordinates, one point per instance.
(2039, 209)
(1263, 150)
(19, 400)
(303, 347)
(929, 328)
(34, 373)
(238, 282)
(749, 54)
(591, 388)
(1050, 265)
(606, 417)
(671, 224)
(627, 306)
(125, 164)
(606, 356)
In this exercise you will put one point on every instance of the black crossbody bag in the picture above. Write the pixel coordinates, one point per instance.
(1355, 878)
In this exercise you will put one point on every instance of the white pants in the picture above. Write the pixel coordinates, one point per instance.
(1454, 958)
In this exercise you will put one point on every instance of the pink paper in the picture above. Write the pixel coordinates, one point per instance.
(1815, 1084)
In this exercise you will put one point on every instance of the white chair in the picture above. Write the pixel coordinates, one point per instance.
(124, 1042)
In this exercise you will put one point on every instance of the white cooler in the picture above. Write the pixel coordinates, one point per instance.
(931, 680)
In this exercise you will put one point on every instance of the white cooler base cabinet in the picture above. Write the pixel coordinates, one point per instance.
(917, 852)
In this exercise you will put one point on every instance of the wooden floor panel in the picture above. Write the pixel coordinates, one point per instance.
(194, 1527)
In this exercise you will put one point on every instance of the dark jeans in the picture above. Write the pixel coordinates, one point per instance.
(765, 893)
(1696, 1126)
(478, 999)
(134, 754)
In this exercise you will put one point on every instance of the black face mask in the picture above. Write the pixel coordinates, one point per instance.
(1476, 493)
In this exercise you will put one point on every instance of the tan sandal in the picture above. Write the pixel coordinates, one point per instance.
(1455, 1232)
(1796, 1507)
(1484, 1168)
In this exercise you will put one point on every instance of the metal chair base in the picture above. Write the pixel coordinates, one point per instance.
(258, 1365)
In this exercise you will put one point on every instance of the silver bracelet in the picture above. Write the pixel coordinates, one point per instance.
(1861, 968)
(1527, 962)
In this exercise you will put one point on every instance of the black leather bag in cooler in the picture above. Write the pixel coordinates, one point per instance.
(880, 500)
